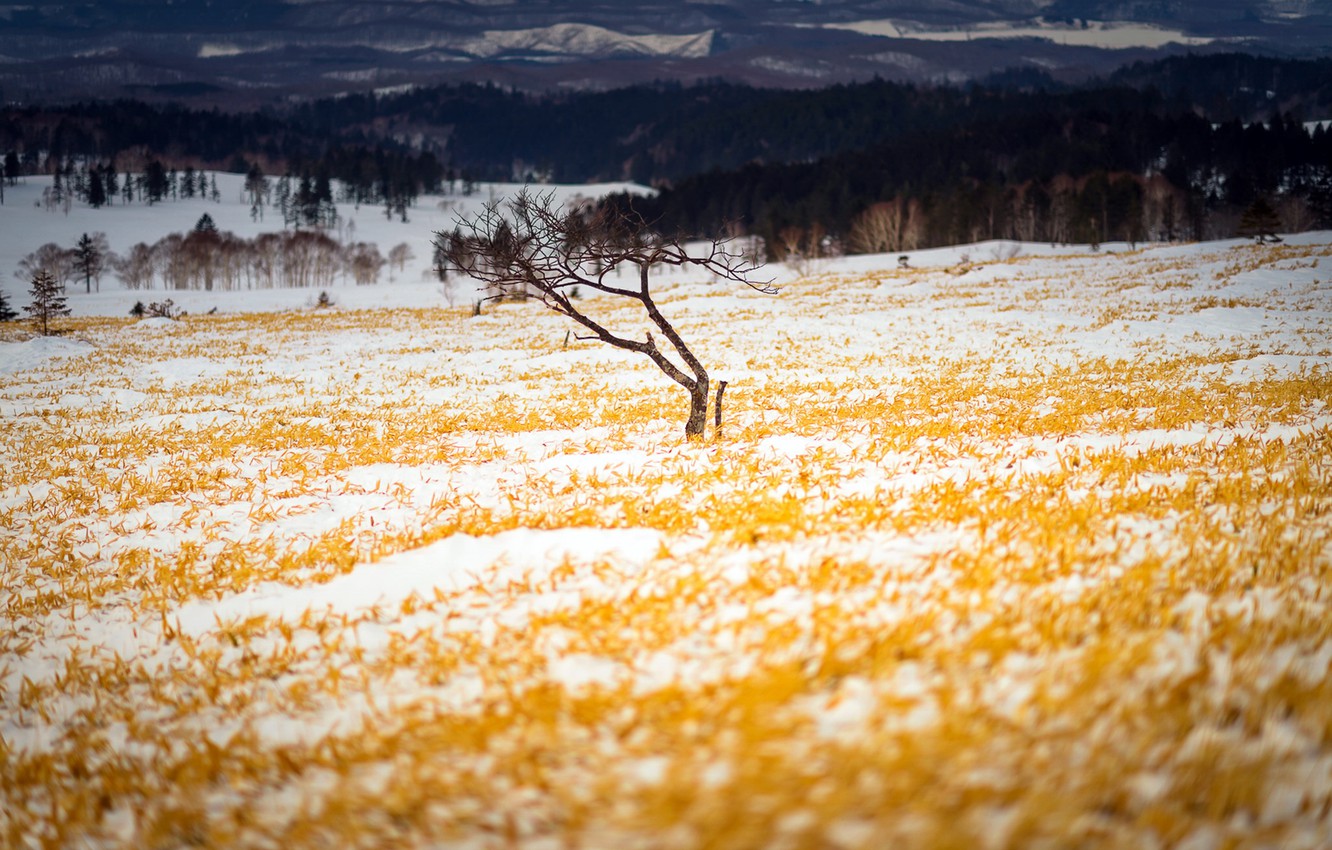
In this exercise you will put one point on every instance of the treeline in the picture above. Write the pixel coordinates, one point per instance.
(140, 138)
(668, 131)
(98, 184)
(304, 200)
(652, 134)
(1066, 170)
(1227, 87)
(212, 260)
(224, 261)
(1172, 149)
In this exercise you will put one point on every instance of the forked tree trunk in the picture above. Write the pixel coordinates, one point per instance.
(697, 424)
(533, 246)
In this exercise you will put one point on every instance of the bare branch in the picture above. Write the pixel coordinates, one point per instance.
(531, 247)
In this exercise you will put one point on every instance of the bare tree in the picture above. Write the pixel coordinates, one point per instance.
(888, 226)
(171, 261)
(199, 251)
(365, 262)
(232, 260)
(1162, 209)
(531, 246)
(1296, 214)
(59, 262)
(803, 250)
(136, 269)
(267, 260)
(400, 255)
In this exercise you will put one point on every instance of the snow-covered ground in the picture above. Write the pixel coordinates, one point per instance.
(1108, 35)
(1027, 550)
(27, 224)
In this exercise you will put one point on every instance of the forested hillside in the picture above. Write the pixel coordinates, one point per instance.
(1083, 167)
(1172, 149)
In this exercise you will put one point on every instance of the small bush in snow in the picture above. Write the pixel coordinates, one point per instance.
(163, 310)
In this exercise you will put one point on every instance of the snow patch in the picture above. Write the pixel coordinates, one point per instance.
(31, 353)
(1103, 34)
(454, 564)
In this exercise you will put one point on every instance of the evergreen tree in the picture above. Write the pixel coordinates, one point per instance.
(205, 224)
(155, 183)
(7, 313)
(109, 182)
(284, 201)
(90, 257)
(48, 301)
(96, 189)
(304, 201)
(325, 213)
(1260, 221)
(78, 178)
(257, 190)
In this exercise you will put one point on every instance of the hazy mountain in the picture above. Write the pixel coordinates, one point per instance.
(254, 50)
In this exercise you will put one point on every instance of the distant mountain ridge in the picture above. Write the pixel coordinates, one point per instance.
(254, 51)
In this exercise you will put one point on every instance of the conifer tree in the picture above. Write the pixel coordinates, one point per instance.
(90, 258)
(48, 301)
(1260, 221)
(155, 183)
(96, 189)
(7, 313)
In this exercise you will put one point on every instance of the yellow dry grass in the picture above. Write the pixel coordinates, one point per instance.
(950, 577)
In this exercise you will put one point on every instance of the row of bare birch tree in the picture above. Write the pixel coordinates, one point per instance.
(208, 259)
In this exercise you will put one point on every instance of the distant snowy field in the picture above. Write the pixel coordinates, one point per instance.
(1108, 35)
(27, 225)
(1017, 547)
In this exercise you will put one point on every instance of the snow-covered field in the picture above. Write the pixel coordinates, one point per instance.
(1108, 35)
(27, 224)
(1028, 552)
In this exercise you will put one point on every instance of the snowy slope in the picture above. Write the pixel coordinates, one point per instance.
(1016, 547)
(27, 225)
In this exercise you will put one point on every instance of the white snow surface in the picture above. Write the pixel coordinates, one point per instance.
(1123, 304)
(1108, 35)
(27, 225)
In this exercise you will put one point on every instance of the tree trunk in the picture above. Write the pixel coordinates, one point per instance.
(717, 409)
(698, 409)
